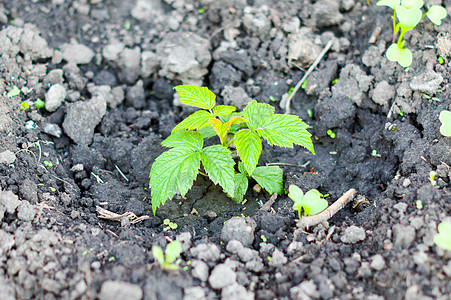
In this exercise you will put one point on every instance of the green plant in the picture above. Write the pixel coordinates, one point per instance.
(408, 13)
(39, 103)
(24, 105)
(15, 91)
(168, 260)
(443, 237)
(169, 225)
(445, 118)
(175, 170)
(311, 202)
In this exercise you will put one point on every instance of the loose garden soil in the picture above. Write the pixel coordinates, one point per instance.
(106, 71)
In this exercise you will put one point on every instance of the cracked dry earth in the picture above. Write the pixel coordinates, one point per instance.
(75, 212)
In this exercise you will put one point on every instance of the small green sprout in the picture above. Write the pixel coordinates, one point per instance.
(48, 163)
(441, 60)
(39, 103)
(271, 97)
(175, 170)
(291, 90)
(264, 239)
(15, 91)
(443, 237)
(445, 118)
(311, 202)
(170, 225)
(24, 105)
(85, 252)
(331, 134)
(168, 260)
(310, 113)
(52, 189)
(269, 258)
(419, 204)
(409, 14)
(201, 10)
(335, 81)
(127, 25)
(112, 258)
(432, 175)
(304, 84)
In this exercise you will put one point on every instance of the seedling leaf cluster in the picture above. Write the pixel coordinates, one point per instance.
(311, 202)
(168, 260)
(175, 170)
(406, 16)
(445, 118)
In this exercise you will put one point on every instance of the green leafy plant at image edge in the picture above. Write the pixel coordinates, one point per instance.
(175, 170)
(443, 237)
(311, 203)
(409, 14)
(445, 118)
(168, 260)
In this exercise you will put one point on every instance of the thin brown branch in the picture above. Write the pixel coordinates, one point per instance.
(304, 78)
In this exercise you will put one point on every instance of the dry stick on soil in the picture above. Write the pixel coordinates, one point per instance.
(309, 221)
(306, 75)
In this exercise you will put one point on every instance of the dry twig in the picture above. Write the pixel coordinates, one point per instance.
(304, 78)
(269, 203)
(309, 221)
(109, 215)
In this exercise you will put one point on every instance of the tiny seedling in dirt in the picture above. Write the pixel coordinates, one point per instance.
(169, 225)
(168, 260)
(311, 202)
(406, 16)
(39, 103)
(445, 118)
(175, 170)
(24, 105)
(15, 91)
(443, 237)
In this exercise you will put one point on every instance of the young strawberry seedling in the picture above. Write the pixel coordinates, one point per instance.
(445, 118)
(443, 237)
(168, 260)
(311, 202)
(175, 170)
(408, 13)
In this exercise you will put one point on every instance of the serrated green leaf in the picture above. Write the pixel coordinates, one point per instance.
(158, 254)
(197, 120)
(286, 130)
(218, 164)
(242, 168)
(184, 138)
(311, 202)
(270, 178)
(207, 132)
(222, 110)
(408, 17)
(401, 55)
(173, 171)
(196, 96)
(220, 128)
(443, 237)
(436, 13)
(241, 185)
(249, 147)
(256, 112)
(445, 118)
(173, 251)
